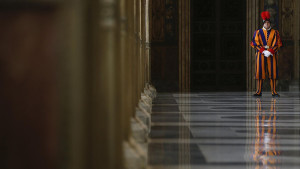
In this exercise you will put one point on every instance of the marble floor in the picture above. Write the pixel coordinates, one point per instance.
(225, 131)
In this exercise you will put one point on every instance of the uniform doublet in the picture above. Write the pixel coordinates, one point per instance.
(267, 43)
(266, 40)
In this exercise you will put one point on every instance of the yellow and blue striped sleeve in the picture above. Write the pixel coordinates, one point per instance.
(255, 43)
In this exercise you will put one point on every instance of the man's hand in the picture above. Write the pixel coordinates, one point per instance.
(267, 53)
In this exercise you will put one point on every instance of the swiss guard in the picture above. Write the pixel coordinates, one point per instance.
(266, 41)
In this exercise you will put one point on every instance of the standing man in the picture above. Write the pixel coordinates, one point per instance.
(266, 41)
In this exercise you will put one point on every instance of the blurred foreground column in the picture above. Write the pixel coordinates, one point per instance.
(73, 78)
(28, 85)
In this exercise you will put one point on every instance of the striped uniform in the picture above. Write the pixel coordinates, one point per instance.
(266, 40)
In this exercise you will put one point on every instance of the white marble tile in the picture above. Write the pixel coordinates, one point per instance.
(224, 130)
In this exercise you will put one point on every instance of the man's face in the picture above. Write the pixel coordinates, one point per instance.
(267, 24)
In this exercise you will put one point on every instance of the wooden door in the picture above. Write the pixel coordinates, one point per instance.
(218, 58)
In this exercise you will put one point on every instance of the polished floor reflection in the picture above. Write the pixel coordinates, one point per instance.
(225, 131)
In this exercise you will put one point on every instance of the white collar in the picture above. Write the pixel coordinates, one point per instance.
(268, 29)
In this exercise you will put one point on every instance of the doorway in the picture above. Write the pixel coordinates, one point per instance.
(218, 57)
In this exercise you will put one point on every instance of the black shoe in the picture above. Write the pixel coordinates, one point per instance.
(257, 94)
(275, 95)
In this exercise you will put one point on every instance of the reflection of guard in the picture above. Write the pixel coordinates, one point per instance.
(267, 42)
(265, 150)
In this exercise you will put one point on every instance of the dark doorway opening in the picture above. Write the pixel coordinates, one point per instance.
(164, 45)
(218, 57)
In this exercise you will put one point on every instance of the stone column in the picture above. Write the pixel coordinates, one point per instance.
(29, 47)
(136, 47)
(147, 43)
(143, 34)
(296, 39)
(184, 78)
(73, 84)
(130, 46)
(184, 45)
(252, 24)
(104, 119)
(125, 69)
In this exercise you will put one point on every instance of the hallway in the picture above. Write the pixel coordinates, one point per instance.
(97, 84)
(224, 131)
